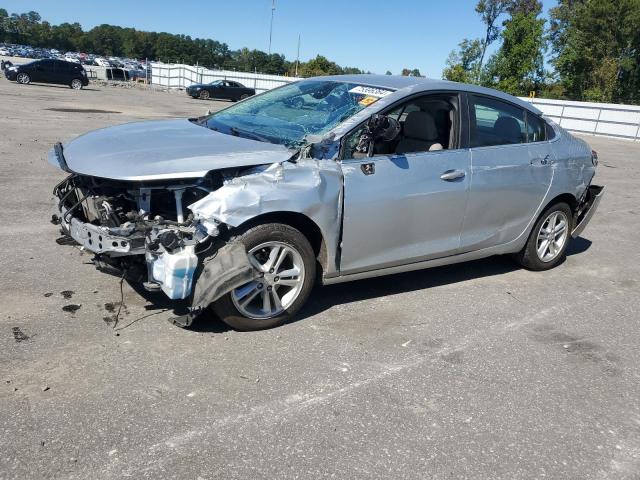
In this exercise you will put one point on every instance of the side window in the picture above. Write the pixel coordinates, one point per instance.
(428, 123)
(494, 122)
(551, 133)
(536, 131)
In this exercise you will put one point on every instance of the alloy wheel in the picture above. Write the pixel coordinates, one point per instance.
(552, 236)
(23, 78)
(279, 281)
(76, 84)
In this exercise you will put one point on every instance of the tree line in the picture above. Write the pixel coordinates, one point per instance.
(110, 40)
(592, 47)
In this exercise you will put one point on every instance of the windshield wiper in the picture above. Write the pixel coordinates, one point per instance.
(241, 133)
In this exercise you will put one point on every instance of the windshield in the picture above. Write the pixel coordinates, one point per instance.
(288, 114)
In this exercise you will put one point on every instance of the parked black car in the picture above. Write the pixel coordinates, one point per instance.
(224, 89)
(49, 71)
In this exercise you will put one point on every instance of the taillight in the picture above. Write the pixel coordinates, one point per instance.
(594, 158)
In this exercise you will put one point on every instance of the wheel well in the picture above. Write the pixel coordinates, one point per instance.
(300, 222)
(566, 198)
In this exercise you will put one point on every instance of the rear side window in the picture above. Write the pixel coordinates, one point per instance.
(494, 122)
(551, 133)
(536, 128)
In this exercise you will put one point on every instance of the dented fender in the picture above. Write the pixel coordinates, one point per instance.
(308, 186)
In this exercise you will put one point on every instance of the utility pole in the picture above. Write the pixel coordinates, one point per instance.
(298, 56)
(273, 9)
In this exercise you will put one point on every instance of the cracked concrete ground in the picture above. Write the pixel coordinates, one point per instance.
(479, 370)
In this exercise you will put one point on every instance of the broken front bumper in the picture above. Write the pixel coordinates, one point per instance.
(98, 239)
(587, 208)
(69, 208)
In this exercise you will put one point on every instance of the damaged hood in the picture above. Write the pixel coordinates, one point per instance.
(163, 149)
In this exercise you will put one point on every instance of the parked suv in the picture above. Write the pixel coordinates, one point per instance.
(50, 71)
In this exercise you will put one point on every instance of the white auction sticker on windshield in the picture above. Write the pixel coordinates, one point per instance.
(370, 91)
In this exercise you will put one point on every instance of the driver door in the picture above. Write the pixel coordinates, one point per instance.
(401, 208)
(222, 91)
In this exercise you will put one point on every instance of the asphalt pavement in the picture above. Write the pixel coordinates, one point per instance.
(480, 370)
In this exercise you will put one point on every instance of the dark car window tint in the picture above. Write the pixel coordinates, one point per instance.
(496, 123)
(551, 133)
(535, 128)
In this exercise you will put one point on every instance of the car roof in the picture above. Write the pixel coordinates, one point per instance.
(422, 84)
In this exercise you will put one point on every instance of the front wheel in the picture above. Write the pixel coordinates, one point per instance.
(286, 271)
(23, 78)
(76, 84)
(204, 95)
(547, 244)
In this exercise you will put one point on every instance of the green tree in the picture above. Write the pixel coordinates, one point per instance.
(518, 66)
(28, 28)
(490, 11)
(319, 66)
(463, 65)
(596, 49)
(407, 72)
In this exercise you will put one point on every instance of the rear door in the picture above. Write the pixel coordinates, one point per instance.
(58, 71)
(401, 208)
(234, 90)
(222, 90)
(509, 177)
(40, 71)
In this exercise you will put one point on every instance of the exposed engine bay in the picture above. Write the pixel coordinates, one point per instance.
(130, 224)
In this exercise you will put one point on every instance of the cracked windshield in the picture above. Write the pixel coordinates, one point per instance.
(289, 114)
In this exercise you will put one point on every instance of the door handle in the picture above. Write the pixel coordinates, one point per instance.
(451, 175)
(368, 168)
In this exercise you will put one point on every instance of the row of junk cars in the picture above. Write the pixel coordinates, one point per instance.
(134, 68)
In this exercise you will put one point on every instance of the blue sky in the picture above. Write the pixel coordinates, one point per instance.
(373, 35)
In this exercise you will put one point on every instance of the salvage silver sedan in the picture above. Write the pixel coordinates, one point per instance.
(324, 180)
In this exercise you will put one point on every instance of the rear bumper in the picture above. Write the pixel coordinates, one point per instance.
(587, 209)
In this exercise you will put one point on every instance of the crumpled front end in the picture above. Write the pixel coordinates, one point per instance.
(134, 226)
(163, 230)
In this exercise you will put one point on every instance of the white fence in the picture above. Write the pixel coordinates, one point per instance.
(608, 119)
(181, 76)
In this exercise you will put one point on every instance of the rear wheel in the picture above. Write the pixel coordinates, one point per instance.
(204, 95)
(23, 78)
(285, 265)
(547, 244)
(76, 84)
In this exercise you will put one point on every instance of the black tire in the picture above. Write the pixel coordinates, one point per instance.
(243, 96)
(225, 308)
(529, 258)
(204, 95)
(76, 84)
(23, 78)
